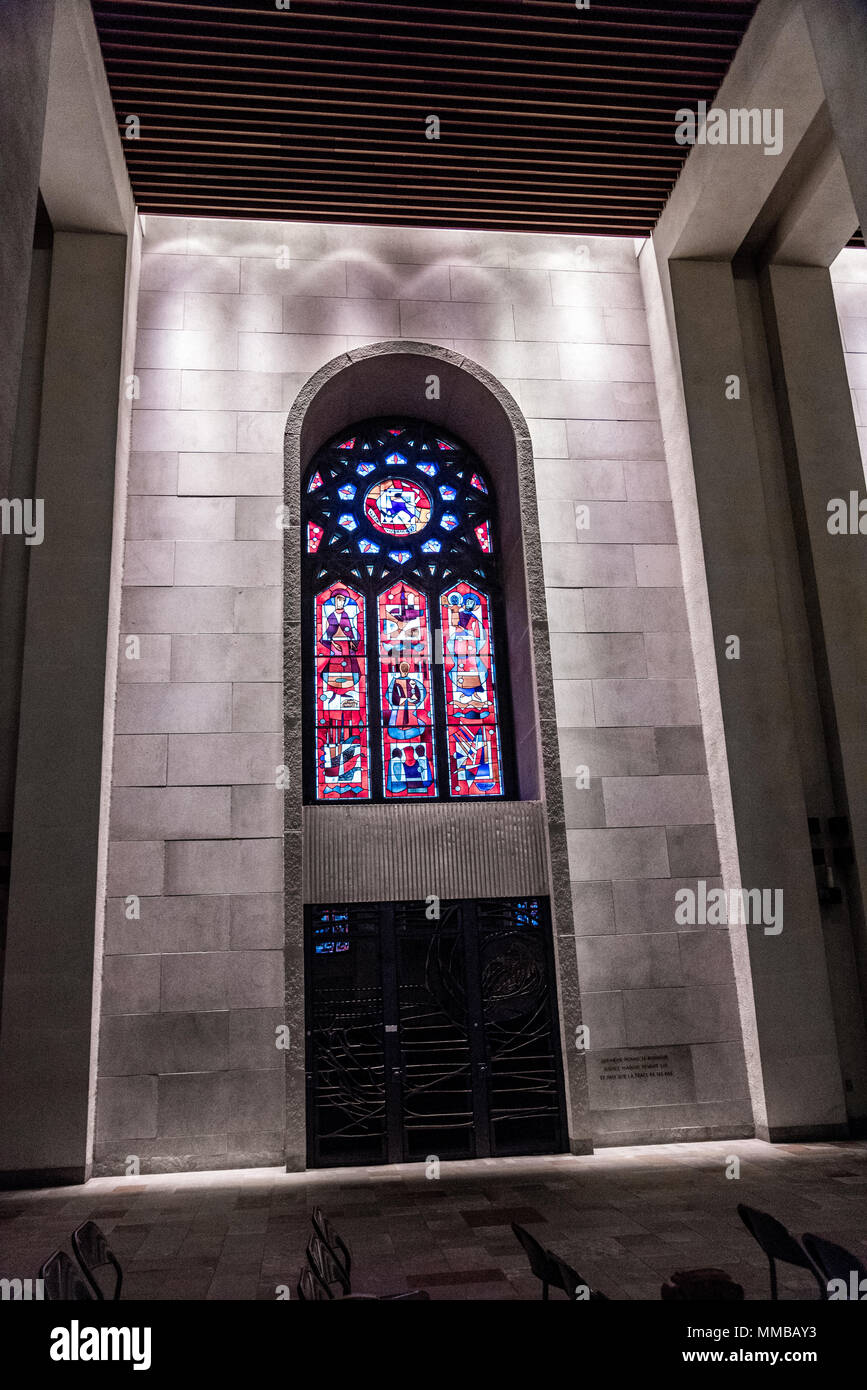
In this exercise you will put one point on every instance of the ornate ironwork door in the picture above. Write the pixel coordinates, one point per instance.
(431, 1036)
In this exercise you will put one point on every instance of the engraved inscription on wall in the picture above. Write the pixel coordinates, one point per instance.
(636, 1068)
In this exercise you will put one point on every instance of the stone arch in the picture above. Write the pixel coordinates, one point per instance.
(447, 389)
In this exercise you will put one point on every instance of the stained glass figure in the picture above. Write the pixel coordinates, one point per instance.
(398, 507)
(342, 740)
(408, 758)
(474, 751)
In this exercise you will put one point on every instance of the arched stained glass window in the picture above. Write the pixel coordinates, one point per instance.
(401, 576)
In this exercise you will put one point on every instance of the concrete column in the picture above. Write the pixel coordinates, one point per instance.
(797, 1090)
(826, 464)
(25, 46)
(838, 31)
(52, 964)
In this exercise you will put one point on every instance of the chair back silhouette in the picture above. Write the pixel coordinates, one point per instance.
(541, 1262)
(62, 1281)
(572, 1284)
(835, 1262)
(309, 1288)
(778, 1244)
(325, 1268)
(337, 1247)
(93, 1252)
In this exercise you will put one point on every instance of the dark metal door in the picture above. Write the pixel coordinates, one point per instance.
(432, 1036)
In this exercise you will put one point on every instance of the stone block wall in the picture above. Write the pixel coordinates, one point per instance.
(234, 317)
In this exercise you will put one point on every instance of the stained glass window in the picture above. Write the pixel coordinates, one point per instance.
(342, 738)
(389, 725)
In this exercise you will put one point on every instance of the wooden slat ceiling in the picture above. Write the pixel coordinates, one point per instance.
(552, 118)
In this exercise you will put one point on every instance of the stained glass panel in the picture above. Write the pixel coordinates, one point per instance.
(342, 738)
(408, 757)
(398, 507)
(472, 723)
(383, 732)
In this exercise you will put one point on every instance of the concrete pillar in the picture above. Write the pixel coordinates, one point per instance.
(838, 31)
(25, 46)
(794, 1067)
(52, 960)
(826, 464)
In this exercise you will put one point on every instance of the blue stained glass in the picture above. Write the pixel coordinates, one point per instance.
(429, 468)
(395, 460)
(432, 547)
(347, 521)
(400, 557)
(368, 547)
(364, 468)
(347, 492)
(448, 494)
(449, 521)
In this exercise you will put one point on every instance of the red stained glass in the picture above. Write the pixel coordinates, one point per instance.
(408, 758)
(474, 753)
(342, 737)
(314, 536)
(483, 536)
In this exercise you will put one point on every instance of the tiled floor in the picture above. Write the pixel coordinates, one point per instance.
(625, 1218)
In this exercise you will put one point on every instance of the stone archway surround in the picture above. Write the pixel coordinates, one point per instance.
(390, 378)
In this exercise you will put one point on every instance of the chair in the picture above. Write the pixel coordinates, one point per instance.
(62, 1281)
(835, 1262)
(778, 1244)
(330, 1261)
(542, 1263)
(93, 1252)
(309, 1288)
(325, 1269)
(571, 1282)
(337, 1247)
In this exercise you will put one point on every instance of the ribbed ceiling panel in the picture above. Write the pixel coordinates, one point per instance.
(552, 118)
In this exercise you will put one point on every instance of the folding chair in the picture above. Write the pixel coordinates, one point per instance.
(62, 1281)
(93, 1252)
